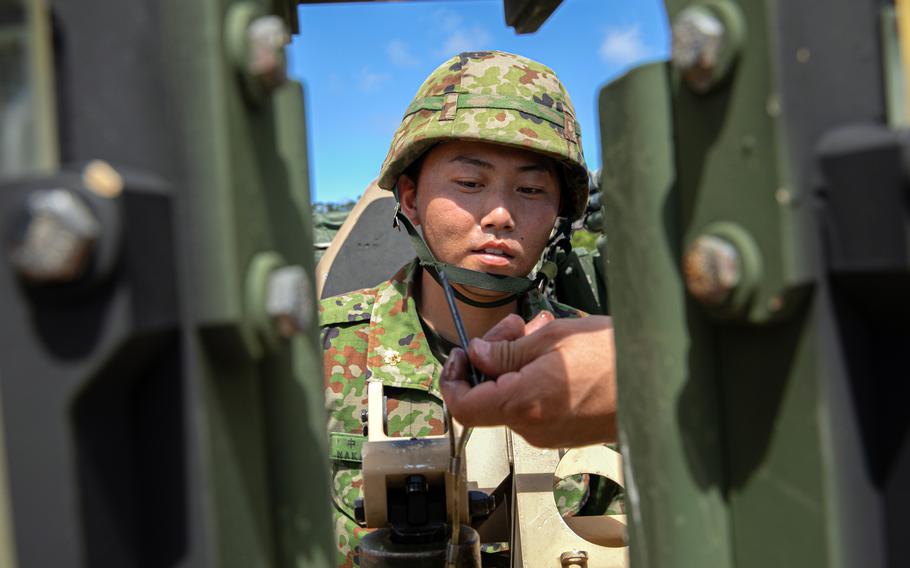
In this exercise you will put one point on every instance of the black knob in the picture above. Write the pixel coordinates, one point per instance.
(359, 513)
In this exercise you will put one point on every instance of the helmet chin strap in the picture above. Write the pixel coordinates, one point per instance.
(511, 285)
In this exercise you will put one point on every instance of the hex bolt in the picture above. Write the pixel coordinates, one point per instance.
(574, 559)
(266, 61)
(712, 268)
(288, 300)
(60, 232)
(480, 505)
(699, 41)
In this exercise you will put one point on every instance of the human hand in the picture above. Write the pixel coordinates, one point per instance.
(555, 380)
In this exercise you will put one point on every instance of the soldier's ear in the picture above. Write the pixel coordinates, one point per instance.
(407, 197)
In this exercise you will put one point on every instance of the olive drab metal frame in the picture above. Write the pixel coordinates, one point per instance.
(160, 372)
(160, 390)
(757, 225)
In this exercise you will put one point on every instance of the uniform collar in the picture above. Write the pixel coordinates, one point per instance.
(398, 353)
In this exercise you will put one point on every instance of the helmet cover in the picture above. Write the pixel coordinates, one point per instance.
(492, 96)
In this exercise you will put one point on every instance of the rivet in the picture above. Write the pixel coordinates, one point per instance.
(698, 41)
(772, 107)
(712, 269)
(102, 179)
(58, 237)
(288, 300)
(783, 196)
(574, 559)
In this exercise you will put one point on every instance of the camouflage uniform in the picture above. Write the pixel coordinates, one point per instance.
(487, 96)
(376, 333)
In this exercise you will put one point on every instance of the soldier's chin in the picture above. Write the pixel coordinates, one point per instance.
(508, 270)
(481, 294)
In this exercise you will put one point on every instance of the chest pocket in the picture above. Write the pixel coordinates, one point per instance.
(410, 413)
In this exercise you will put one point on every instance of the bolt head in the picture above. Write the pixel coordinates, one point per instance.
(712, 268)
(57, 239)
(266, 61)
(288, 300)
(480, 504)
(574, 559)
(699, 38)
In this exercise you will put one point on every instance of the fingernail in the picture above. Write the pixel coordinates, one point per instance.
(446, 374)
(481, 348)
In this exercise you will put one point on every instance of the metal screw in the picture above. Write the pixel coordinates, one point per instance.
(574, 559)
(712, 269)
(480, 505)
(58, 239)
(288, 300)
(266, 61)
(102, 179)
(699, 38)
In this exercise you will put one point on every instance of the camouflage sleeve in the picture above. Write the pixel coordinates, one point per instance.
(571, 494)
(585, 495)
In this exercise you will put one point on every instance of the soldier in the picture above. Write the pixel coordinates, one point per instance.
(488, 170)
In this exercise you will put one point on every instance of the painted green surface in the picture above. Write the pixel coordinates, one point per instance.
(248, 194)
(719, 410)
(732, 167)
(668, 402)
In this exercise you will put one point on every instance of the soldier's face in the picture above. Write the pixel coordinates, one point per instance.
(484, 206)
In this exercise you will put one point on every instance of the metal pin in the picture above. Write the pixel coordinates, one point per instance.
(474, 377)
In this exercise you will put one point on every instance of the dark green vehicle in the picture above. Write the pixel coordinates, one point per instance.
(159, 363)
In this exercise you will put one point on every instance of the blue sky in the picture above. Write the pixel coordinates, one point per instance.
(361, 64)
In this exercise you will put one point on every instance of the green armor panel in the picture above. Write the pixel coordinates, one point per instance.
(757, 242)
(161, 400)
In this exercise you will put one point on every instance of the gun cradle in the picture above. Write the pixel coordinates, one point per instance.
(539, 535)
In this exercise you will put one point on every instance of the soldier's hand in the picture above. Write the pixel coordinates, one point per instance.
(555, 380)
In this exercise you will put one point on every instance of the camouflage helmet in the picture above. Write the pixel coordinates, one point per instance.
(492, 96)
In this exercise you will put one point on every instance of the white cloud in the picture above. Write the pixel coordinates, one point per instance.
(400, 54)
(448, 20)
(456, 33)
(472, 39)
(371, 81)
(623, 45)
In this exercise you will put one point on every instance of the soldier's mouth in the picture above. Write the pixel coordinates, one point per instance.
(494, 252)
(493, 257)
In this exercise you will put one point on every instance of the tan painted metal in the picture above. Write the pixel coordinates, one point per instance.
(539, 532)
(388, 461)
(540, 536)
(487, 457)
(372, 193)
